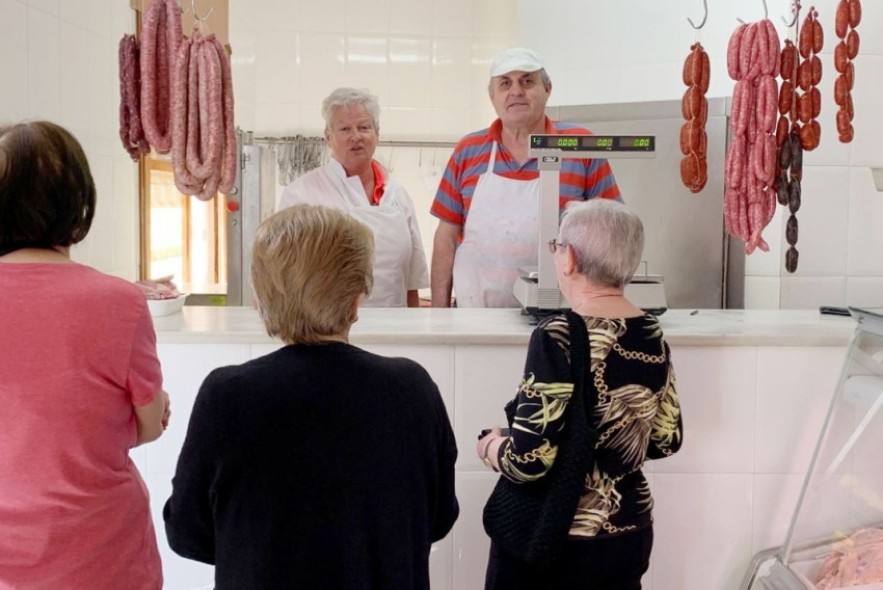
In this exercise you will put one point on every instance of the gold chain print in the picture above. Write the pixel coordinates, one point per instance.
(639, 356)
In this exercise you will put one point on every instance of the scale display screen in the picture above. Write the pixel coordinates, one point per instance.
(594, 143)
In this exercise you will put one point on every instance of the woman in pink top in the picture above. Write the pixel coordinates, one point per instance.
(80, 384)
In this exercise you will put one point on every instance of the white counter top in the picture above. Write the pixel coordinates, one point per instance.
(711, 327)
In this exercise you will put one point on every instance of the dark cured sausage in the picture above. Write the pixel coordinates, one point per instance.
(782, 130)
(794, 106)
(791, 259)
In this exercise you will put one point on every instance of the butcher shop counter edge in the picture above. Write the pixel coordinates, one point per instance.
(429, 326)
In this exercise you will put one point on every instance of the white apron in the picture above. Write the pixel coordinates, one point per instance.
(331, 187)
(500, 235)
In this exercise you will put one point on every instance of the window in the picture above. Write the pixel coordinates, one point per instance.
(180, 235)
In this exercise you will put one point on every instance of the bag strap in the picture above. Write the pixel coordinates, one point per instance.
(583, 384)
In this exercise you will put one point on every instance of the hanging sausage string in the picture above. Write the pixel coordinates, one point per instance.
(183, 91)
(789, 161)
(694, 107)
(753, 61)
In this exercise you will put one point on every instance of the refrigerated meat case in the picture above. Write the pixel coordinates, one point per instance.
(842, 492)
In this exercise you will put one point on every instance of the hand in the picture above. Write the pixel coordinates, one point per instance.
(167, 410)
(485, 441)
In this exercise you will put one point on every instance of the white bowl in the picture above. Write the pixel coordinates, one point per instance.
(161, 307)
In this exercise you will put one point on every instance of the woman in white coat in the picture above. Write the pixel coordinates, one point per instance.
(354, 182)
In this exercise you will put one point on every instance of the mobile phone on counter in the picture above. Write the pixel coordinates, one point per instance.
(487, 431)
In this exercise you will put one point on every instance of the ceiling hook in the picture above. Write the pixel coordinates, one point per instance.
(766, 13)
(795, 8)
(202, 19)
(704, 18)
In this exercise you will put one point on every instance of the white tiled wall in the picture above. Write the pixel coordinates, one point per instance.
(425, 59)
(422, 59)
(58, 61)
(633, 50)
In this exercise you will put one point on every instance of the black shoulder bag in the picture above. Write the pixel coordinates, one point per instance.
(531, 520)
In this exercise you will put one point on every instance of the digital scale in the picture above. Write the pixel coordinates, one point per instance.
(536, 288)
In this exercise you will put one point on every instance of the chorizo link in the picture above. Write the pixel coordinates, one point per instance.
(852, 44)
(206, 160)
(186, 183)
(231, 161)
(841, 19)
(855, 13)
(734, 52)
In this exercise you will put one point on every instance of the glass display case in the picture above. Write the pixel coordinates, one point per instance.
(835, 539)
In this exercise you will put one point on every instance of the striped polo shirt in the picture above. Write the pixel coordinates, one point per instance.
(580, 179)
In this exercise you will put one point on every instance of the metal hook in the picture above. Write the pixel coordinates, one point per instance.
(704, 18)
(202, 19)
(766, 13)
(795, 8)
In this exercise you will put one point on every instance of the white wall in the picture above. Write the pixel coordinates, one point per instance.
(426, 60)
(633, 50)
(58, 61)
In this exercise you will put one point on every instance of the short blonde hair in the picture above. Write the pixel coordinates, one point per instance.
(308, 265)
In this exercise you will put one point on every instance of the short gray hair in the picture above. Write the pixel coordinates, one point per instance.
(607, 239)
(544, 78)
(342, 98)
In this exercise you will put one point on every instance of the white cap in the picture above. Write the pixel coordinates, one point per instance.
(516, 59)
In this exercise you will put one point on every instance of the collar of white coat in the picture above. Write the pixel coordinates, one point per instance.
(340, 172)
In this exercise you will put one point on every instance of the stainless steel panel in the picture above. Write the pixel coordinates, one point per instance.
(234, 235)
(251, 214)
(685, 239)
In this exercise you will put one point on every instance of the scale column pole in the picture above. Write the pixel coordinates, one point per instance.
(548, 295)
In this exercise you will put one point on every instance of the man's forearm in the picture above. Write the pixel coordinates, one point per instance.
(442, 280)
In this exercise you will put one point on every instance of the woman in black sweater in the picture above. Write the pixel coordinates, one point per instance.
(320, 465)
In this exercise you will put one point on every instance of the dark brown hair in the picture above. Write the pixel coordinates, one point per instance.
(47, 195)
